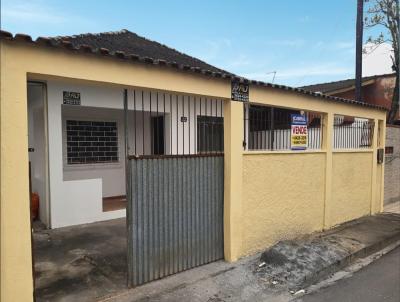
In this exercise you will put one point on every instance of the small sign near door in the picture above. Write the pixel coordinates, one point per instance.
(299, 132)
(239, 91)
(71, 98)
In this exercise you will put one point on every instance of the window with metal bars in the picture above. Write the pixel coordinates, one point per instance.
(352, 132)
(269, 128)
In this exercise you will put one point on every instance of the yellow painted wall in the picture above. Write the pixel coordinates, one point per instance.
(43, 63)
(283, 196)
(16, 260)
(22, 61)
(351, 186)
(233, 124)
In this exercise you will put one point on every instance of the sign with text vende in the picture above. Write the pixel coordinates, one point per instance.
(299, 132)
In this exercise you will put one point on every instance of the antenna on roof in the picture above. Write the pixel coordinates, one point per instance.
(273, 78)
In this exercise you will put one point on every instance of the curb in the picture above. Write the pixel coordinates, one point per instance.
(347, 260)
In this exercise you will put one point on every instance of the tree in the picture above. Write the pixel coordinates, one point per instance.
(384, 14)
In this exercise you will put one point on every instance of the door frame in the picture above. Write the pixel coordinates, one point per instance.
(156, 129)
(46, 147)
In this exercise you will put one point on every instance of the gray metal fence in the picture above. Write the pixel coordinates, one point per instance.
(177, 214)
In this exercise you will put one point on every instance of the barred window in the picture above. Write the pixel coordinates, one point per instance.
(269, 128)
(352, 133)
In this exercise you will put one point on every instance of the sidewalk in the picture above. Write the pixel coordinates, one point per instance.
(296, 264)
(289, 265)
(393, 207)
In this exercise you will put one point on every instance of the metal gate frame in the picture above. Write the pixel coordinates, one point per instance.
(190, 232)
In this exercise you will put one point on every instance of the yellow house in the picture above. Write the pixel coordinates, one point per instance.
(101, 123)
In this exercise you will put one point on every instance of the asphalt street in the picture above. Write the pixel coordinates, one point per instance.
(379, 281)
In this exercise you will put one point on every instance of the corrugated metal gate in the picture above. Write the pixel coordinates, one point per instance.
(177, 223)
(176, 189)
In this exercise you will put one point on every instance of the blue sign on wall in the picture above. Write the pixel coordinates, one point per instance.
(298, 119)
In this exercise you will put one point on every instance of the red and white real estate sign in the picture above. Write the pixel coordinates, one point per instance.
(299, 132)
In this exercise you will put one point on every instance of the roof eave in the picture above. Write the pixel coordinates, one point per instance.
(46, 42)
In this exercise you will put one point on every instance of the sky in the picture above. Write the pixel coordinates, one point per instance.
(303, 41)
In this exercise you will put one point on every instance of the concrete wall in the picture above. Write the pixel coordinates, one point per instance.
(283, 196)
(267, 209)
(392, 165)
(76, 192)
(112, 175)
(351, 186)
(21, 61)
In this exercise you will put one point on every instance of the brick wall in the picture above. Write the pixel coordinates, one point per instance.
(392, 165)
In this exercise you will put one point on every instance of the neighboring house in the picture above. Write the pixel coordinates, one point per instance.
(214, 166)
(376, 90)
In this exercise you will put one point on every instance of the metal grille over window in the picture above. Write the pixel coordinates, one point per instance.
(272, 128)
(91, 142)
(352, 132)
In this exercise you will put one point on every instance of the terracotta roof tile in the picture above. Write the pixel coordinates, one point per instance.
(130, 42)
(338, 85)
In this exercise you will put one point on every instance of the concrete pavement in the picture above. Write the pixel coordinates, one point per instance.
(296, 264)
(80, 263)
(301, 262)
(379, 281)
(88, 263)
(393, 207)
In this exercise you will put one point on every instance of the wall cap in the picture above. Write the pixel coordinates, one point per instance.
(261, 152)
(353, 151)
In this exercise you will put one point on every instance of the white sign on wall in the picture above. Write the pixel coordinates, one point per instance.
(299, 132)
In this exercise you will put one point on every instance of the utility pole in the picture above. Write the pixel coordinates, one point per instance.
(359, 45)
